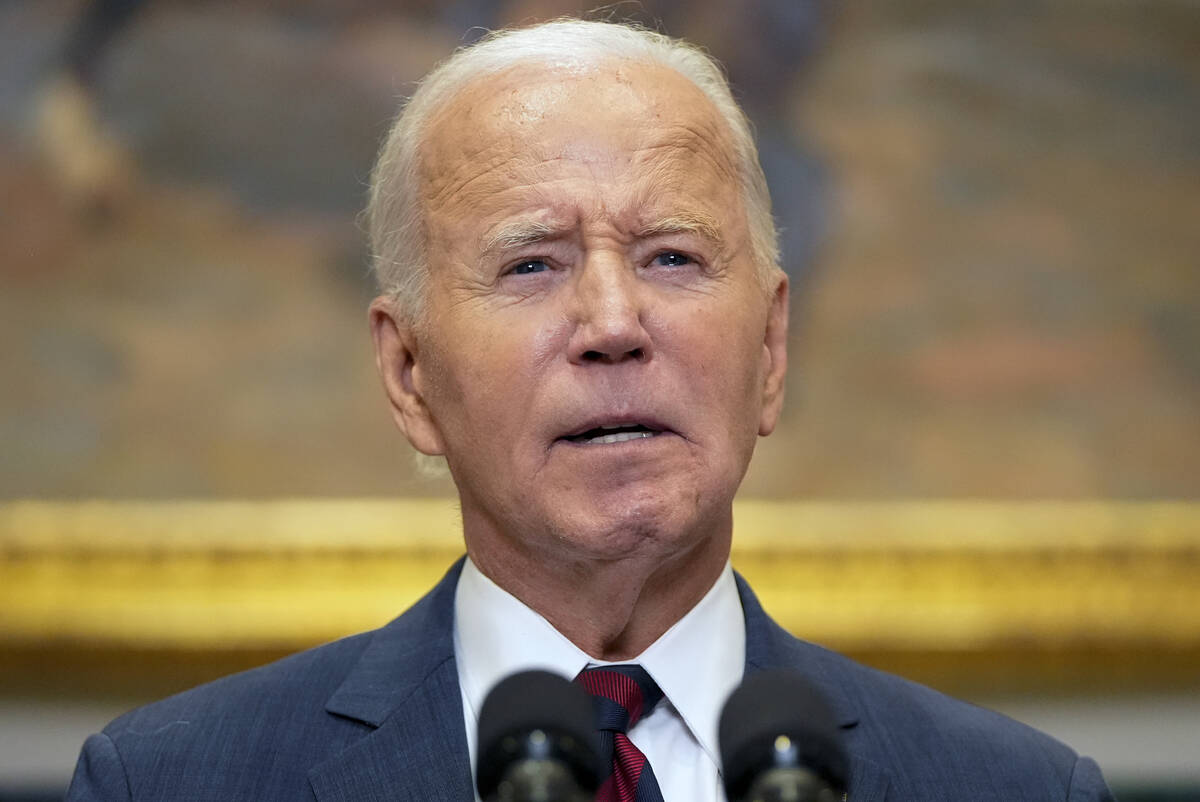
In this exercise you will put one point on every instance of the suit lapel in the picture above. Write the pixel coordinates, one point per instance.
(769, 646)
(404, 686)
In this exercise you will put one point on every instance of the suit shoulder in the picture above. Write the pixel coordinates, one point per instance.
(921, 705)
(904, 724)
(245, 736)
(305, 675)
(258, 734)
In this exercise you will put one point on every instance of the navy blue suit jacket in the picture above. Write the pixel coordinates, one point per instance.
(379, 716)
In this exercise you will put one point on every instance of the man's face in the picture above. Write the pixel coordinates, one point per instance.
(598, 355)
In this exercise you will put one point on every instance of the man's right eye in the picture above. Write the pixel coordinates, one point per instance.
(529, 266)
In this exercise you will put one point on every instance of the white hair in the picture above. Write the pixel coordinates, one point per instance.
(394, 214)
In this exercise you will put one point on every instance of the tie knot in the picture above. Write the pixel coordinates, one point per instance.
(622, 695)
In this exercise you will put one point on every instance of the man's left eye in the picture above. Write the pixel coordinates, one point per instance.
(529, 266)
(672, 259)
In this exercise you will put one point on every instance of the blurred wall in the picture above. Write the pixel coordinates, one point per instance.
(989, 213)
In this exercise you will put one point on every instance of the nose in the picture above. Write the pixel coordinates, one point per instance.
(608, 314)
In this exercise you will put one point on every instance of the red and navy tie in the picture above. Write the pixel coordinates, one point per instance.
(623, 695)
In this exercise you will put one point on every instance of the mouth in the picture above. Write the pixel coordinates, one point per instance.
(608, 434)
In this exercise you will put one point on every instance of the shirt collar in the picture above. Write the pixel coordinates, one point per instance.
(495, 635)
(700, 660)
(697, 662)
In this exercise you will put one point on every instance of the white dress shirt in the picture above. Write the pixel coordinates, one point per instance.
(697, 663)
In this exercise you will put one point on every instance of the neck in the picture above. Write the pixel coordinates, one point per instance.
(611, 608)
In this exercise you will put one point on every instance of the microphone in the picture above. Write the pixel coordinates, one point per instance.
(779, 742)
(537, 741)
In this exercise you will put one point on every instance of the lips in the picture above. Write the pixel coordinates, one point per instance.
(611, 432)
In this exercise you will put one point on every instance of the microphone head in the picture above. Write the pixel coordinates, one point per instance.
(537, 715)
(777, 720)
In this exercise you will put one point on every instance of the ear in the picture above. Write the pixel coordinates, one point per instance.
(774, 358)
(398, 359)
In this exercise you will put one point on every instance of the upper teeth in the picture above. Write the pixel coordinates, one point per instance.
(619, 437)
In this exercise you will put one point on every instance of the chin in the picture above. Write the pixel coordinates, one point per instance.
(652, 523)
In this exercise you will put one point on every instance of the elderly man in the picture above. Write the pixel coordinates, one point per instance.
(582, 313)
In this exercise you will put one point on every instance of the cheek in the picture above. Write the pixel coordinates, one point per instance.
(726, 353)
(496, 373)
(732, 375)
(515, 351)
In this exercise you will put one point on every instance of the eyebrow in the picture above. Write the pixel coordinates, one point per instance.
(528, 232)
(688, 223)
(518, 234)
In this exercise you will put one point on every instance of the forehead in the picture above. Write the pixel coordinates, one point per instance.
(639, 133)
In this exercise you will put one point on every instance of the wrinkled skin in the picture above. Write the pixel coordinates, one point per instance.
(590, 266)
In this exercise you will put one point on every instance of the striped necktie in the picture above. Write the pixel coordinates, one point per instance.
(622, 696)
